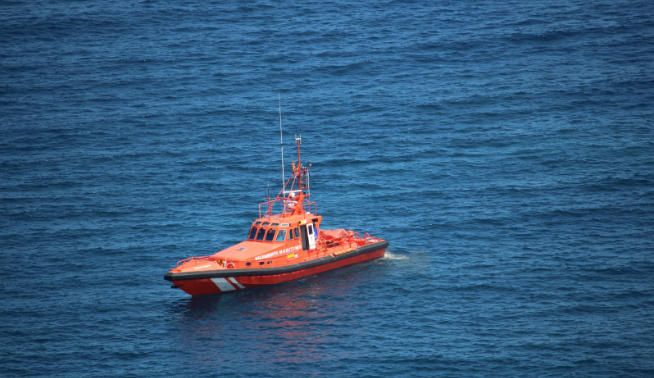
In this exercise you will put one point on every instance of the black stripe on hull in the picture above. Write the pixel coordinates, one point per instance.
(272, 271)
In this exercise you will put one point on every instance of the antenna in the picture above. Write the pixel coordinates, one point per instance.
(281, 141)
(298, 142)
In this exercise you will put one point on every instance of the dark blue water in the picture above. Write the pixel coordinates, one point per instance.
(505, 149)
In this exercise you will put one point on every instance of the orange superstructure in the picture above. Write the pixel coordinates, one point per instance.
(284, 243)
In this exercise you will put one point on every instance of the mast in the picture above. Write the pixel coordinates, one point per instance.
(292, 200)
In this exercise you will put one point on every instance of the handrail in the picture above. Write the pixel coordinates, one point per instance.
(218, 260)
(180, 262)
(309, 206)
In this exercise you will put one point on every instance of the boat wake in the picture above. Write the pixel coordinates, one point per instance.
(394, 256)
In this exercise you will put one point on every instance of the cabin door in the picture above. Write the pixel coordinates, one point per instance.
(308, 237)
(311, 236)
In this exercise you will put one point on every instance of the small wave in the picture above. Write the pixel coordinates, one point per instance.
(348, 68)
(548, 36)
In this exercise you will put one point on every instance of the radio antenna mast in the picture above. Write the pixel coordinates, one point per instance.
(281, 142)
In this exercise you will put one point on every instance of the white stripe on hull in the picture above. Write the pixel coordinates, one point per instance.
(223, 284)
(235, 282)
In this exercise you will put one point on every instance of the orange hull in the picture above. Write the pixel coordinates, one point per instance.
(221, 282)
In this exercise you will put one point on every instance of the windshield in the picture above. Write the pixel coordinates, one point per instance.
(270, 235)
(253, 232)
(281, 235)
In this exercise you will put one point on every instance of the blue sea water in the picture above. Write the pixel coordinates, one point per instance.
(505, 149)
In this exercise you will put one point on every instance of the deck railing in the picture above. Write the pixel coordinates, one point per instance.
(268, 207)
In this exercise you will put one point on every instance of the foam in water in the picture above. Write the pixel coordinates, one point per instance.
(393, 256)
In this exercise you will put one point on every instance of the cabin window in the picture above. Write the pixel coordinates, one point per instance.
(248, 263)
(265, 224)
(297, 232)
(269, 262)
(275, 224)
(310, 230)
(261, 262)
(257, 223)
(270, 235)
(253, 232)
(281, 235)
(261, 233)
(290, 234)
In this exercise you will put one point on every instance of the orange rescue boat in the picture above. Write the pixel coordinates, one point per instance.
(280, 247)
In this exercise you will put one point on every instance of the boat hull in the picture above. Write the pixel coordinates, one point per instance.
(217, 282)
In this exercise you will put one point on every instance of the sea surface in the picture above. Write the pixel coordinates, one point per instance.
(504, 149)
